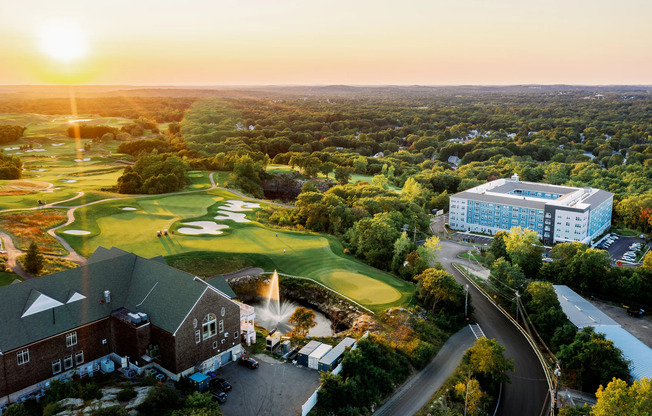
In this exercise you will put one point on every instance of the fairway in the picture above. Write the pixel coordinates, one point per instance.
(306, 254)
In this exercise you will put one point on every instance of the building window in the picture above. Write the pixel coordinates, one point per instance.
(56, 367)
(67, 362)
(23, 356)
(197, 336)
(221, 326)
(71, 339)
(235, 335)
(223, 340)
(79, 357)
(215, 344)
(209, 326)
(223, 311)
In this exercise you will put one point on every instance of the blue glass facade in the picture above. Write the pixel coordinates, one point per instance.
(502, 216)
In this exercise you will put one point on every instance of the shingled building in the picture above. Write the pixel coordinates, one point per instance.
(133, 311)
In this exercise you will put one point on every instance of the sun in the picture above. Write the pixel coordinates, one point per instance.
(63, 41)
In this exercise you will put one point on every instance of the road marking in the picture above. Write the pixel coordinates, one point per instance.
(477, 331)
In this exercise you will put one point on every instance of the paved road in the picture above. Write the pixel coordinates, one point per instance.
(12, 255)
(527, 394)
(410, 398)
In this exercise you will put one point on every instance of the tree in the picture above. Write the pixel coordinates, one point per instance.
(33, 259)
(373, 238)
(17, 409)
(327, 167)
(472, 395)
(620, 399)
(342, 175)
(303, 319)
(498, 248)
(504, 275)
(430, 248)
(402, 246)
(524, 249)
(487, 357)
(591, 360)
(436, 285)
(414, 191)
(647, 261)
(380, 181)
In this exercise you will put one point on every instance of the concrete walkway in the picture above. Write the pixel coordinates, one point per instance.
(12, 255)
(414, 394)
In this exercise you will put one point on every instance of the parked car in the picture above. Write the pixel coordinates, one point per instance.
(218, 396)
(248, 362)
(635, 312)
(221, 384)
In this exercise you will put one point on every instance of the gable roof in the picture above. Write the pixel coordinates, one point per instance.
(219, 283)
(39, 308)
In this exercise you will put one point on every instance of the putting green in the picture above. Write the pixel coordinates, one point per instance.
(362, 288)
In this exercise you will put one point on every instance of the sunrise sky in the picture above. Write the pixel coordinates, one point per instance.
(259, 42)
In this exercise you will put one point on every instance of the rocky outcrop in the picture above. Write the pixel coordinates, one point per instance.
(75, 407)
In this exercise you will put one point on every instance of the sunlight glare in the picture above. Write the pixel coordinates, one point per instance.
(63, 41)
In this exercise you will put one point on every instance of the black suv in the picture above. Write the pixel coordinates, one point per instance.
(218, 396)
(248, 362)
(220, 384)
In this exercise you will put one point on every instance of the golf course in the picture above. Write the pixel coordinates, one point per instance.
(202, 221)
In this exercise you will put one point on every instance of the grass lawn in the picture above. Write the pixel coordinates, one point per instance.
(479, 259)
(627, 232)
(316, 256)
(8, 278)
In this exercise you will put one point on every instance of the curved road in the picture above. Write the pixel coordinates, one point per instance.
(527, 394)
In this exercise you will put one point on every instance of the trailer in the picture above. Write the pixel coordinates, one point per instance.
(302, 357)
(317, 354)
(329, 361)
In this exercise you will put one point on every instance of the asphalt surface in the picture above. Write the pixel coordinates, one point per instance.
(273, 389)
(527, 394)
(414, 394)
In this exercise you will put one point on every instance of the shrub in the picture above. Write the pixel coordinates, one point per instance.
(126, 394)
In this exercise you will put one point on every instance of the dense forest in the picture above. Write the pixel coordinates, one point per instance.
(161, 109)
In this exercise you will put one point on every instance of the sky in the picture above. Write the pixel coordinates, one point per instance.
(319, 42)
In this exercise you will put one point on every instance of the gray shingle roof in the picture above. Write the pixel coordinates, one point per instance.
(138, 284)
(219, 283)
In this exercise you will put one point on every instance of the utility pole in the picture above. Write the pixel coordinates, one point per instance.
(554, 403)
(466, 300)
(518, 298)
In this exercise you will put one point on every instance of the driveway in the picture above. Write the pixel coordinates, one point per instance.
(274, 388)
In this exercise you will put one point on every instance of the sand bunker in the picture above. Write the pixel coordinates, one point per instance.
(12, 148)
(34, 150)
(233, 216)
(77, 232)
(235, 205)
(128, 208)
(206, 227)
(58, 144)
(68, 180)
(86, 159)
(38, 170)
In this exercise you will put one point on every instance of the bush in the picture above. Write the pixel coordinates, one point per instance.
(110, 411)
(51, 409)
(126, 394)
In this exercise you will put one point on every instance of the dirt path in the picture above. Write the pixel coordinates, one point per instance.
(12, 256)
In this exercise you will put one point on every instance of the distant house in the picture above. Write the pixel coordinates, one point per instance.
(454, 160)
(133, 311)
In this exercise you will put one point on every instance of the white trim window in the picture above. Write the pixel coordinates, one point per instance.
(235, 335)
(221, 326)
(209, 326)
(23, 356)
(79, 357)
(56, 367)
(197, 336)
(214, 344)
(67, 362)
(71, 339)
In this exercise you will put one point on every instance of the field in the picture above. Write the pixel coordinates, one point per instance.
(297, 253)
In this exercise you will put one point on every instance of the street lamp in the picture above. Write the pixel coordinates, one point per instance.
(466, 299)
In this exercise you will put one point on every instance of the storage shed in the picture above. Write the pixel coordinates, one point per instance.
(317, 354)
(302, 357)
(199, 382)
(329, 361)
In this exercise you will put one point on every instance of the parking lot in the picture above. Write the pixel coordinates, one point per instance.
(274, 388)
(621, 246)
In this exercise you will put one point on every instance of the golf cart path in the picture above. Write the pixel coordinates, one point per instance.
(76, 257)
